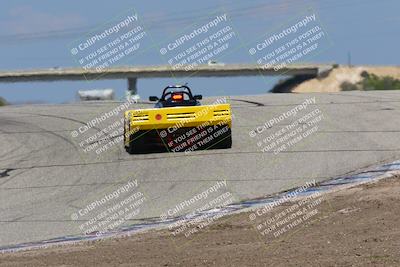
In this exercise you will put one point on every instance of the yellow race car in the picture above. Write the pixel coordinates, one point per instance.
(178, 123)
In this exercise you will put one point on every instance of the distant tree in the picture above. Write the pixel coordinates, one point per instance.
(372, 82)
(3, 102)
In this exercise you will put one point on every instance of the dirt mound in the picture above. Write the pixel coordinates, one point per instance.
(350, 75)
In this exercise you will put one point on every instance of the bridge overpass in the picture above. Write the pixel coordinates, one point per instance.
(132, 73)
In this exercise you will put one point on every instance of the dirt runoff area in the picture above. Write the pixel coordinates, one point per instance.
(358, 226)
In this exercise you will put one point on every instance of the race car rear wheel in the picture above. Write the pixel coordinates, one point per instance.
(226, 142)
(136, 143)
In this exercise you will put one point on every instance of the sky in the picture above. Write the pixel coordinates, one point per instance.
(40, 34)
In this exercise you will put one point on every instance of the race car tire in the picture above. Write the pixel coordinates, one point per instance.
(136, 143)
(226, 142)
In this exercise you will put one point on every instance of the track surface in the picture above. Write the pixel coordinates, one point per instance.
(45, 176)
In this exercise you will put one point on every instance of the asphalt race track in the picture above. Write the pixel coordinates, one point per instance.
(46, 177)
